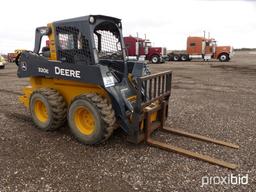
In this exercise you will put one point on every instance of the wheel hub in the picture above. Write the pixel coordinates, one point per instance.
(84, 120)
(223, 57)
(41, 111)
(154, 59)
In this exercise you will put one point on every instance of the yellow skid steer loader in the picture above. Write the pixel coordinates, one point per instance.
(83, 77)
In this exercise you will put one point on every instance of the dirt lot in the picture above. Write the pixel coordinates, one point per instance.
(213, 99)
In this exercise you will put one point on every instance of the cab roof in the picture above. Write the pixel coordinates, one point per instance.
(86, 18)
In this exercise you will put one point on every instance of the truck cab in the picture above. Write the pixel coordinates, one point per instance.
(138, 47)
(203, 48)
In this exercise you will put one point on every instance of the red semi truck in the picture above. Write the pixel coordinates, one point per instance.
(202, 48)
(137, 47)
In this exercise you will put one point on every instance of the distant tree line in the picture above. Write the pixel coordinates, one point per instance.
(245, 49)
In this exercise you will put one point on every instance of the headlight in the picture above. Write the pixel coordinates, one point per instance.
(91, 20)
(44, 30)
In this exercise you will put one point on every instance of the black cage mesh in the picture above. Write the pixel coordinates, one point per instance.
(73, 46)
(107, 41)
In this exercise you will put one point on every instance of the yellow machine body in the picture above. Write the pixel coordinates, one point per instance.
(69, 89)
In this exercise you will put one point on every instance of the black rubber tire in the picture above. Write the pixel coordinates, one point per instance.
(104, 116)
(155, 59)
(2, 67)
(170, 57)
(184, 57)
(176, 57)
(224, 57)
(55, 105)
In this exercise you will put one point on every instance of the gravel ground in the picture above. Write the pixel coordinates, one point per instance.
(213, 99)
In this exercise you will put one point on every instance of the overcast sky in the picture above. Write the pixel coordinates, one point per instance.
(166, 23)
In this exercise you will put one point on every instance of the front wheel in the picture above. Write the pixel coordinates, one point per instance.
(224, 57)
(91, 118)
(155, 59)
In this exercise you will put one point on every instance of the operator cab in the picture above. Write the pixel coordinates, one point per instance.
(88, 40)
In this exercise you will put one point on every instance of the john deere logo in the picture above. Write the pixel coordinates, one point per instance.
(24, 66)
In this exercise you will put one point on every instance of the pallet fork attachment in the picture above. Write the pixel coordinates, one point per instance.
(157, 89)
(151, 126)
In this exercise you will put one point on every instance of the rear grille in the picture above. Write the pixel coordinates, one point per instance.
(154, 87)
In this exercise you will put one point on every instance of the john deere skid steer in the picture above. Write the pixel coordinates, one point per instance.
(83, 78)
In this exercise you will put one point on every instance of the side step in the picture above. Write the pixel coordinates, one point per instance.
(150, 127)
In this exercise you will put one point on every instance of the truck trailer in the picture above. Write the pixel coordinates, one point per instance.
(137, 47)
(202, 48)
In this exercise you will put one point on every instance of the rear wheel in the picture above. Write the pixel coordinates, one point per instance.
(91, 118)
(155, 59)
(48, 109)
(224, 57)
(176, 57)
(170, 57)
(184, 58)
